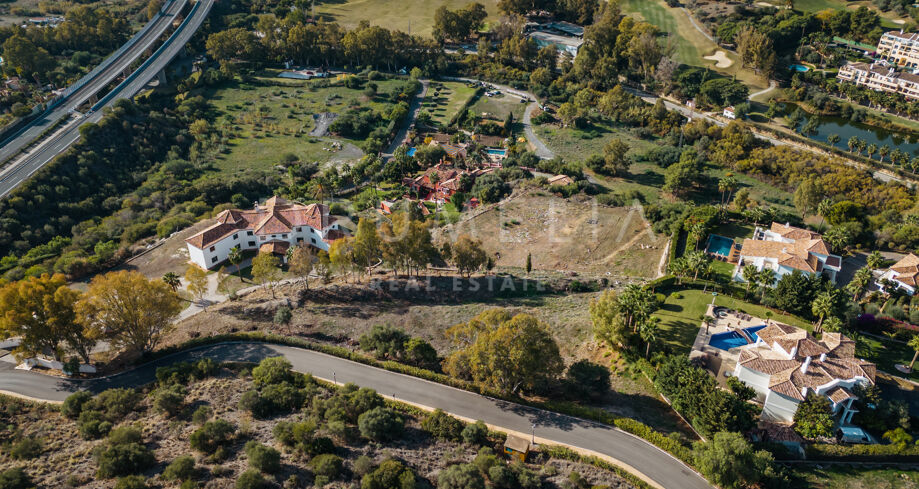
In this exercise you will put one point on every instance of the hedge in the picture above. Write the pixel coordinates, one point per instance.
(863, 453)
(565, 453)
(629, 425)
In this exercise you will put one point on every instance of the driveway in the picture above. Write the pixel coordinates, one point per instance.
(655, 464)
(413, 110)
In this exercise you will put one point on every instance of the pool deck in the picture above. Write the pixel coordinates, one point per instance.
(720, 361)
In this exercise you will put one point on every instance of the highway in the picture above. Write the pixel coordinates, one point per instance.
(23, 165)
(641, 458)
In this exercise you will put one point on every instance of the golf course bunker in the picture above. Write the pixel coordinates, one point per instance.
(720, 58)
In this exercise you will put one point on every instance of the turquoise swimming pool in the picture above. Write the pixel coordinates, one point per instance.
(496, 152)
(799, 68)
(719, 245)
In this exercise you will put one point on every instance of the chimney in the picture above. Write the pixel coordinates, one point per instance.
(804, 392)
(787, 224)
(807, 363)
(823, 357)
(794, 351)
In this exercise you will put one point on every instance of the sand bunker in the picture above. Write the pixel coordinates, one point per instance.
(763, 4)
(720, 58)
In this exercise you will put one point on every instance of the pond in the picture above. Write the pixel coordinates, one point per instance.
(845, 128)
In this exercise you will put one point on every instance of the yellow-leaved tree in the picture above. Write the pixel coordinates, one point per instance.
(133, 312)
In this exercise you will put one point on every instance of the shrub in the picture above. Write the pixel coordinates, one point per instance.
(212, 435)
(390, 474)
(272, 371)
(262, 457)
(170, 400)
(180, 469)
(131, 482)
(74, 403)
(381, 424)
(251, 479)
(443, 426)
(462, 476)
(282, 397)
(201, 415)
(14, 478)
(116, 403)
(92, 425)
(125, 434)
(183, 372)
(363, 465)
(475, 433)
(421, 354)
(384, 341)
(124, 459)
(327, 465)
(25, 449)
(252, 402)
(502, 477)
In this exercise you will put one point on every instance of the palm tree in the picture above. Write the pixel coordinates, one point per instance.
(872, 148)
(235, 257)
(883, 151)
(709, 322)
(823, 305)
(861, 146)
(765, 279)
(727, 185)
(823, 208)
(679, 269)
(859, 283)
(852, 143)
(875, 260)
(172, 280)
(648, 332)
(833, 139)
(750, 275)
(696, 261)
(914, 344)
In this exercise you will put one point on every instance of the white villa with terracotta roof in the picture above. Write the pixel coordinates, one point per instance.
(785, 364)
(904, 273)
(273, 227)
(784, 249)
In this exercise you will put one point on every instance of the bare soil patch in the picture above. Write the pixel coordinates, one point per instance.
(570, 235)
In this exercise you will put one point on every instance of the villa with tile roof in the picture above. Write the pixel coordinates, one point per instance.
(784, 249)
(273, 228)
(904, 273)
(785, 364)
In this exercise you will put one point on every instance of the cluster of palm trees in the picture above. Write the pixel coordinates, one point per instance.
(694, 263)
(760, 279)
(858, 146)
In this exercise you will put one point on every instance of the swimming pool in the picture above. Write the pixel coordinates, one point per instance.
(719, 245)
(799, 68)
(496, 152)
(732, 339)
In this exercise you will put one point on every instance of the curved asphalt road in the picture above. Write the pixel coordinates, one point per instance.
(654, 463)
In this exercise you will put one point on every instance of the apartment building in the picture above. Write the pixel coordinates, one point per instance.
(881, 78)
(899, 48)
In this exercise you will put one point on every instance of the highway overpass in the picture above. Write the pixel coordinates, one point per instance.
(21, 164)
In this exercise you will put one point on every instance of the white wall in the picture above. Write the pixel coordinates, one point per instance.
(757, 380)
(207, 259)
(779, 407)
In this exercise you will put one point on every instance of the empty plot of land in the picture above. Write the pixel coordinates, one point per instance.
(575, 234)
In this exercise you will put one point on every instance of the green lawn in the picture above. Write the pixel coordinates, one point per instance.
(444, 100)
(682, 312)
(275, 116)
(886, 354)
(497, 108)
(843, 477)
(415, 16)
(689, 44)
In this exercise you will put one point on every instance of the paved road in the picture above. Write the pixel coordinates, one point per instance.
(95, 81)
(22, 167)
(654, 463)
(539, 146)
(652, 99)
(413, 109)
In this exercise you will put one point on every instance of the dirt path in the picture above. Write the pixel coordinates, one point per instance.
(323, 121)
(413, 110)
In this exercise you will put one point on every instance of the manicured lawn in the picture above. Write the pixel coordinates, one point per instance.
(736, 230)
(444, 99)
(886, 354)
(681, 316)
(415, 16)
(690, 45)
(843, 477)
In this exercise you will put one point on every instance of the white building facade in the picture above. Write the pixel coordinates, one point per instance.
(274, 227)
(783, 249)
(904, 274)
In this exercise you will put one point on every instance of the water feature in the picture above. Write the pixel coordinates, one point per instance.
(846, 128)
(733, 339)
(799, 68)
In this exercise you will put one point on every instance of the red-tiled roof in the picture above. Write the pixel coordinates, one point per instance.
(277, 216)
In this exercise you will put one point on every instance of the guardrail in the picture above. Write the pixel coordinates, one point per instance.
(112, 58)
(115, 91)
(89, 76)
